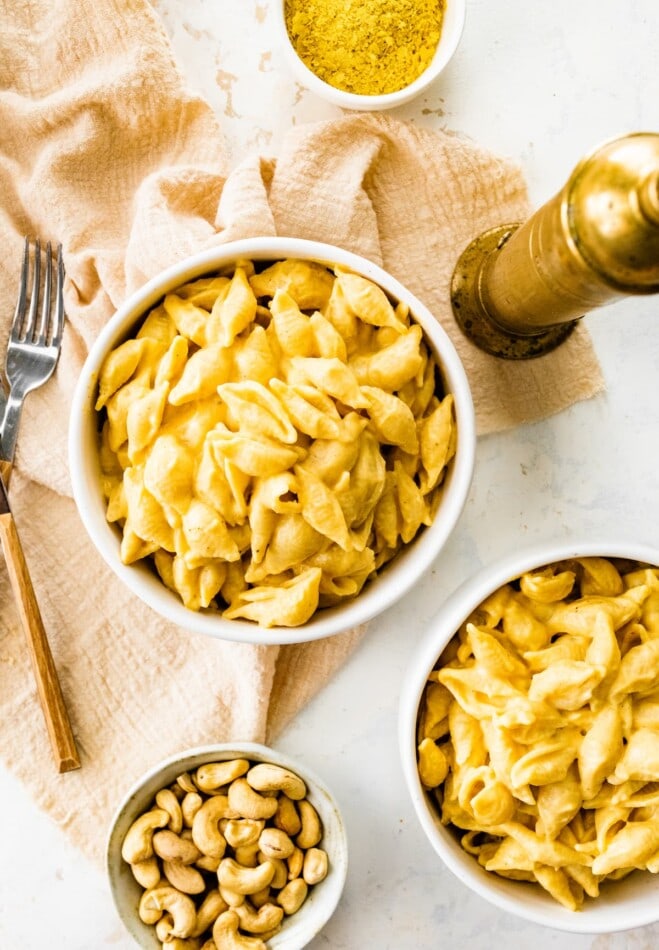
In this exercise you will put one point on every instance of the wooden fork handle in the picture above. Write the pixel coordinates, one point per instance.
(5, 471)
(50, 693)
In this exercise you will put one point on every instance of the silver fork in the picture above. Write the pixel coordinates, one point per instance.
(32, 354)
(34, 344)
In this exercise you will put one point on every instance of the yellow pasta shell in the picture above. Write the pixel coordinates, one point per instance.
(254, 409)
(253, 456)
(287, 606)
(233, 310)
(308, 283)
(117, 369)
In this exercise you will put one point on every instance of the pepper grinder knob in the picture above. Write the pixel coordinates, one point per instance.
(519, 290)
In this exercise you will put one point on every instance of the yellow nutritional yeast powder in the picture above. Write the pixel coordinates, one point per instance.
(367, 47)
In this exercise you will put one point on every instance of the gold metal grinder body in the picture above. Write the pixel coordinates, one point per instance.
(518, 290)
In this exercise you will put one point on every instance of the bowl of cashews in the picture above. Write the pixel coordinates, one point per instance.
(227, 847)
(271, 441)
(529, 734)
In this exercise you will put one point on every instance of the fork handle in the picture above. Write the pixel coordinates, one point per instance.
(5, 471)
(11, 419)
(50, 693)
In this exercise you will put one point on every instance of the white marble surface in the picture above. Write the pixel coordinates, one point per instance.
(543, 83)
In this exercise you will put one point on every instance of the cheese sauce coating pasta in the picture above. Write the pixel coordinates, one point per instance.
(538, 731)
(271, 438)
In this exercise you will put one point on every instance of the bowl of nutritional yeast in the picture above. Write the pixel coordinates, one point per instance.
(369, 56)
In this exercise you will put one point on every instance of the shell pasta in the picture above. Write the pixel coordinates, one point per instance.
(538, 731)
(271, 438)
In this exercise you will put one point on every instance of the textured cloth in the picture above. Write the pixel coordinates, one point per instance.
(105, 149)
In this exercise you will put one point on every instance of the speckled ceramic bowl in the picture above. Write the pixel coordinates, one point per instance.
(452, 29)
(296, 930)
(622, 905)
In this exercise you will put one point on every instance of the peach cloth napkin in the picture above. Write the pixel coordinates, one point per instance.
(105, 149)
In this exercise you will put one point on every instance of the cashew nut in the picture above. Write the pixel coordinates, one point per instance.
(227, 937)
(314, 869)
(164, 927)
(265, 777)
(181, 943)
(146, 873)
(214, 775)
(180, 906)
(248, 855)
(312, 830)
(240, 832)
(232, 898)
(280, 876)
(172, 847)
(249, 803)
(185, 782)
(286, 816)
(167, 800)
(206, 832)
(209, 910)
(149, 912)
(183, 877)
(266, 919)
(137, 845)
(293, 895)
(295, 863)
(208, 863)
(243, 880)
(190, 806)
(258, 898)
(275, 843)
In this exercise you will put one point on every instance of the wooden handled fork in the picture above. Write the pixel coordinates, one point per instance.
(32, 354)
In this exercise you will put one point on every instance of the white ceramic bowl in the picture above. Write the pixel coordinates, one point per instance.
(298, 929)
(452, 28)
(632, 902)
(392, 582)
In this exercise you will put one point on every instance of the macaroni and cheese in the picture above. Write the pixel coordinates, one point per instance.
(271, 438)
(538, 732)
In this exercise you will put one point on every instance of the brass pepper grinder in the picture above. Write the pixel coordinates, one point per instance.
(518, 290)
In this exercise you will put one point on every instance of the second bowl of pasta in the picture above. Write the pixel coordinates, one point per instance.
(271, 441)
(529, 735)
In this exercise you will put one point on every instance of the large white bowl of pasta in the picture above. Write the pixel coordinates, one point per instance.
(271, 441)
(529, 735)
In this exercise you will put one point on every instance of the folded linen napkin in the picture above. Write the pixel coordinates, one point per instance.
(105, 149)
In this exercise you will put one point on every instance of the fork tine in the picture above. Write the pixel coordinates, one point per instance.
(19, 313)
(58, 325)
(41, 332)
(28, 329)
(31, 322)
(30, 363)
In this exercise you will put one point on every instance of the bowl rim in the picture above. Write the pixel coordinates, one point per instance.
(453, 25)
(408, 565)
(318, 793)
(594, 917)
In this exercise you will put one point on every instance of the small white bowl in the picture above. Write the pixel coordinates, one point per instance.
(298, 929)
(452, 29)
(392, 582)
(622, 905)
